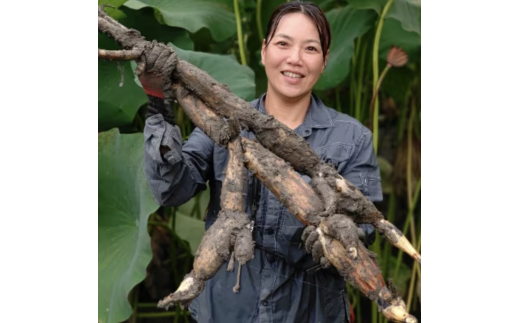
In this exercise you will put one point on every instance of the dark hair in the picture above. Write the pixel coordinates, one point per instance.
(308, 8)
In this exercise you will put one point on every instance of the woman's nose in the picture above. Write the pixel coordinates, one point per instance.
(294, 57)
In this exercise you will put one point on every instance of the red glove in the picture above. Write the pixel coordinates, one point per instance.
(155, 77)
(152, 84)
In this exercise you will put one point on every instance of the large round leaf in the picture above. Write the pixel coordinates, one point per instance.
(124, 204)
(376, 5)
(145, 22)
(117, 105)
(346, 25)
(112, 8)
(393, 34)
(225, 69)
(193, 15)
(407, 12)
(269, 6)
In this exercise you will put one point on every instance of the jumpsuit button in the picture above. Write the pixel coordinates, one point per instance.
(264, 303)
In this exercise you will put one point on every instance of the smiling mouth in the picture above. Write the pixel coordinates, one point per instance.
(293, 75)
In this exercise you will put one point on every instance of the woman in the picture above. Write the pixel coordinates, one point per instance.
(281, 283)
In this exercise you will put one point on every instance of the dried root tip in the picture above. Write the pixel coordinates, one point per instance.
(237, 286)
(396, 237)
(231, 263)
(190, 288)
(396, 312)
(392, 305)
(244, 245)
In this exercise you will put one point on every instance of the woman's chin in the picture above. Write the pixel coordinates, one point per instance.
(293, 93)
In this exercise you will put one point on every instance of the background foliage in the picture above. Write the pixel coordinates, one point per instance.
(144, 250)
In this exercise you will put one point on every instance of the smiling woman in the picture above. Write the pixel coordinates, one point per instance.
(294, 55)
(281, 283)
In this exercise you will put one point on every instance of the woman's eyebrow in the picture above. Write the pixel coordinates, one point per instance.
(290, 38)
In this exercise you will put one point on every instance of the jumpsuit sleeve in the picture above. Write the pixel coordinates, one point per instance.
(184, 170)
(362, 169)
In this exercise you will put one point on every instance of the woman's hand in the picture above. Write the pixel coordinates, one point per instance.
(154, 71)
(366, 233)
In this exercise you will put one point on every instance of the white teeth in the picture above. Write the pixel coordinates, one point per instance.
(294, 75)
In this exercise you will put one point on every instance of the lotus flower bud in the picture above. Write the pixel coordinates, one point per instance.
(396, 57)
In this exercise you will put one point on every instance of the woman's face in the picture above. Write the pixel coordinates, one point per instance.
(294, 58)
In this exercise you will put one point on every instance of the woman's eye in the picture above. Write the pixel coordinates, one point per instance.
(282, 43)
(311, 48)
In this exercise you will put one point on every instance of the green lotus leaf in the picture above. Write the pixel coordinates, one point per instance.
(124, 204)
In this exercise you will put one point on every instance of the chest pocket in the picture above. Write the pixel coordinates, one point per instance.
(335, 153)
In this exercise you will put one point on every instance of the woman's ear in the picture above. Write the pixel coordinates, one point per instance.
(264, 45)
(325, 61)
